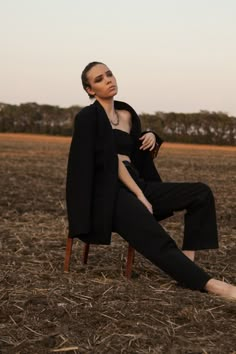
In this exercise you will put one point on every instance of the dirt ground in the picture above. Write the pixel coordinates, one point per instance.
(94, 309)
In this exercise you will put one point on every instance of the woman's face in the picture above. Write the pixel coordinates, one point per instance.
(102, 82)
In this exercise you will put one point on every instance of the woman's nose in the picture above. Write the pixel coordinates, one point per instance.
(108, 80)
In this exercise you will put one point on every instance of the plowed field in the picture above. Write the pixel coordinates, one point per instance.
(93, 308)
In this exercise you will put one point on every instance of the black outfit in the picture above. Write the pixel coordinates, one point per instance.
(127, 215)
(92, 172)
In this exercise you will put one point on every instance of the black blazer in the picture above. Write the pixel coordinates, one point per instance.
(92, 172)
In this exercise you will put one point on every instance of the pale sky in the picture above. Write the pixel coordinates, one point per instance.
(167, 55)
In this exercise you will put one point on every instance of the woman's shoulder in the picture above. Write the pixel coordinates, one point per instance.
(124, 106)
(127, 107)
(86, 116)
(85, 111)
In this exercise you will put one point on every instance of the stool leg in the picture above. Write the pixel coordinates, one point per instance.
(85, 253)
(130, 259)
(69, 244)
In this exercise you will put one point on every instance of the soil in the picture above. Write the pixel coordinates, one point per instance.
(94, 308)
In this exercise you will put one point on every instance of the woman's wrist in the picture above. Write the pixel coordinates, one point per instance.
(139, 193)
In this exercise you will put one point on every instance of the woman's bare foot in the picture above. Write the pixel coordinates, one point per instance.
(221, 288)
(189, 254)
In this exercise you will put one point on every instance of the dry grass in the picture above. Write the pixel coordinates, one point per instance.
(94, 309)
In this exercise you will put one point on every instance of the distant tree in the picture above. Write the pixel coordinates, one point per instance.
(204, 127)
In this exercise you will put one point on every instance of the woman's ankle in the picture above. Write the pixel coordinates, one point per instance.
(189, 254)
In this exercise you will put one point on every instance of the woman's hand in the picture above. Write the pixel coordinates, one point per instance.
(144, 200)
(148, 141)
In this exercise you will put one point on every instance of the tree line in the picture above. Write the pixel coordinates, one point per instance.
(203, 127)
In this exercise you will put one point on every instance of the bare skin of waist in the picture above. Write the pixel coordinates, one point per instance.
(123, 158)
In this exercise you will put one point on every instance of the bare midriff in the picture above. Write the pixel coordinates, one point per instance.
(124, 158)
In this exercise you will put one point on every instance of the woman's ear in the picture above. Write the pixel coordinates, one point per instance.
(90, 91)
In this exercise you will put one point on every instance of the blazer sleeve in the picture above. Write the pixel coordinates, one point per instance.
(80, 174)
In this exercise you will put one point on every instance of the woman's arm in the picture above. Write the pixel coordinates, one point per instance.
(129, 182)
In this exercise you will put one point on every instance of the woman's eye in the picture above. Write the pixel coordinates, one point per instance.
(98, 79)
(109, 73)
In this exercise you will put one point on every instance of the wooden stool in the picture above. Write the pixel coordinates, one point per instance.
(129, 263)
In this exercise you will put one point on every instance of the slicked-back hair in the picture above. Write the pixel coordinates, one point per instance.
(84, 77)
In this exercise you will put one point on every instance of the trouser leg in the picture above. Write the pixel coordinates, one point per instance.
(200, 231)
(139, 227)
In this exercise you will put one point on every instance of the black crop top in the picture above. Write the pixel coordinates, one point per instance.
(124, 142)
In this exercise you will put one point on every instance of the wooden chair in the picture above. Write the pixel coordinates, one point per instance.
(129, 262)
(131, 251)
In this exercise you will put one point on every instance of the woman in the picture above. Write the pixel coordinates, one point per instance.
(113, 186)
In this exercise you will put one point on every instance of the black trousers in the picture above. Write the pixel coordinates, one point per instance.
(141, 229)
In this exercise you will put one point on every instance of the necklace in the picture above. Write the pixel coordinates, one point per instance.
(117, 119)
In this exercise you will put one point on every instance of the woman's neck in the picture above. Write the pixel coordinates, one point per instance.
(108, 106)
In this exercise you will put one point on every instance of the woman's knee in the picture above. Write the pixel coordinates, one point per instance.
(205, 191)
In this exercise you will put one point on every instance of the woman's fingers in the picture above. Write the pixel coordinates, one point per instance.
(152, 146)
(144, 200)
(148, 141)
(148, 145)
